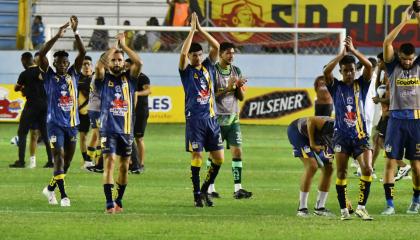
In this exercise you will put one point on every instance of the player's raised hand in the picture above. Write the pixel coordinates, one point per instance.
(74, 22)
(193, 21)
(349, 44)
(198, 23)
(406, 17)
(62, 29)
(120, 39)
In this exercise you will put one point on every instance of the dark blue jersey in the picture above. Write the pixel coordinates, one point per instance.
(117, 94)
(199, 90)
(348, 103)
(62, 97)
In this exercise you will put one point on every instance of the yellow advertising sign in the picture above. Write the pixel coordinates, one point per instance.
(11, 103)
(364, 20)
(270, 106)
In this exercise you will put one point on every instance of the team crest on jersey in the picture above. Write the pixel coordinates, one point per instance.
(65, 102)
(118, 89)
(388, 148)
(118, 106)
(350, 100)
(337, 148)
(350, 116)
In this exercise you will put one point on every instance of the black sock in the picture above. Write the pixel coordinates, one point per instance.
(52, 184)
(211, 176)
(60, 184)
(86, 158)
(120, 191)
(341, 195)
(195, 178)
(237, 170)
(389, 194)
(364, 189)
(108, 195)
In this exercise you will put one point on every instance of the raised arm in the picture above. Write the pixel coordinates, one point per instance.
(183, 59)
(214, 44)
(43, 60)
(102, 64)
(314, 123)
(389, 39)
(78, 62)
(367, 71)
(329, 68)
(136, 62)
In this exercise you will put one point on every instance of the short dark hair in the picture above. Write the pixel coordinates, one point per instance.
(61, 53)
(36, 54)
(226, 46)
(373, 62)
(407, 49)
(347, 59)
(195, 47)
(119, 51)
(380, 56)
(39, 17)
(26, 55)
(128, 60)
(87, 58)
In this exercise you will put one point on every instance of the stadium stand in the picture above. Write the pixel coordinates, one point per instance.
(8, 23)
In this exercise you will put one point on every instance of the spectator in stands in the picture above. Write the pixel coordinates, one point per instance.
(178, 13)
(38, 35)
(129, 35)
(99, 39)
(149, 41)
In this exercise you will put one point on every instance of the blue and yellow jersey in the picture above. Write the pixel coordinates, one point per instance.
(117, 102)
(62, 97)
(199, 90)
(349, 107)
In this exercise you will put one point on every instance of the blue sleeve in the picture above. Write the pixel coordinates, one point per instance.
(391, 65)
(184, 73)
(332, 87)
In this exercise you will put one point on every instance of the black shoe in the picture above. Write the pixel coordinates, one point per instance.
(198, 203)
(48, 165)
(17, 164)
(135, 171)
(214, 195)
(95, 169)
(207, 200)
(242, 193)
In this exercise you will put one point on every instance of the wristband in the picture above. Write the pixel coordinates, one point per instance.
(76, 32)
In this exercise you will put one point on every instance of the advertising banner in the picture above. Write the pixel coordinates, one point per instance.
(11, 103)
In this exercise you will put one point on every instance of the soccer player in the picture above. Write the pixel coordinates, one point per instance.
(323, 102)
(117, 88)
(35, 111)
(311, 139)
(63, 114)
(350, 137)
(229, 91)
(403, 131)
(141, 115)
(83, 88)
(202, 129)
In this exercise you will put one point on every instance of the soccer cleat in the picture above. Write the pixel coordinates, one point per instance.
(403, 172)
(88, 164)
(198, 202)
(345, 215)
(214, 195)
(32, 163)
(65, 202)
(48, 165)
(363, 214)
(17, 164)
(206, 200)
(413, 208)
(303, 212)
(242, 193)
(323, 212)
(50, 195)
(388, 211)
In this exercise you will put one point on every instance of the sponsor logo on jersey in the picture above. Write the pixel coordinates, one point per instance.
(118, 106)
(65, 102)
(408, 82)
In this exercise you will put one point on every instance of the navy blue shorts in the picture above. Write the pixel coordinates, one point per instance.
(403, 134)
(117, 143)
(94, 117)
(60, 136)
(203, 133)
(301, 146)
(352, 147)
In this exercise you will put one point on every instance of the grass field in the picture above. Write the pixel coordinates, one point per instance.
(158, 204)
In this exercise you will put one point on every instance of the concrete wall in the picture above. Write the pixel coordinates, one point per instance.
(162, 68)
